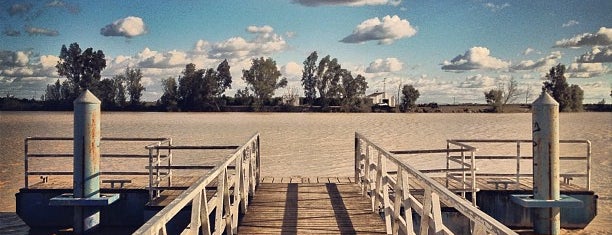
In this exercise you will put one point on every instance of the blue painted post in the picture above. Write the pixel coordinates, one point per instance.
(86, 178)
(545, 118)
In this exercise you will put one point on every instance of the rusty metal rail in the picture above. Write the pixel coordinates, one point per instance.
(520, 156)
(227, 204)
(28, 155)
(375, 180)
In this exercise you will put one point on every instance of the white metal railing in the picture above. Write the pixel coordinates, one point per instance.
(28, 154)
(521, 156)
(393, 194)
(228, 201)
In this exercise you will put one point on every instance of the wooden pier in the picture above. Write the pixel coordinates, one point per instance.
(385, 195)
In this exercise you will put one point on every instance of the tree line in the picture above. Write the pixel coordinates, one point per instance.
(324, 81)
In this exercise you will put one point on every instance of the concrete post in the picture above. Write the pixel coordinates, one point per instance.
(86, 178)
(545, 120)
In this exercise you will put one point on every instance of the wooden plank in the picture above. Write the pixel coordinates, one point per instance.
(310, 208)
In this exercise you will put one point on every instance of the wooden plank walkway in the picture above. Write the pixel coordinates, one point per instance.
(314, 208)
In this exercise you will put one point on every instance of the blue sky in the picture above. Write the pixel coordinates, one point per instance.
(449, 50)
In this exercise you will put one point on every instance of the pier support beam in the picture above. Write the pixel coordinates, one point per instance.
(545, 120)
(86, 176)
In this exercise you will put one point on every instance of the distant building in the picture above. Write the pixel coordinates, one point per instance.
(382, 98)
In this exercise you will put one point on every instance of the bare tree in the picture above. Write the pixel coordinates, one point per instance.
(502, 95)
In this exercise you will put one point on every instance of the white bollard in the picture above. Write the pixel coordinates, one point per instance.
(545, 120)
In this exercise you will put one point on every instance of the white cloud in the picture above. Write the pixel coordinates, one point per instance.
(528, 51)
(474, 58)
(478, 81)
(265, 43)
(315, 3)
(496, 7)
(586, 70)
(385, 65)
(597, 55)
(603, 37)
(570, 23)
(14, 58)
(388, 30)
(33, 31)
(153, 59)
(540, 65)
(262, 29)
(128, 27)
(292, 70)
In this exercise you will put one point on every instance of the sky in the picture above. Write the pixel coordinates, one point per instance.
(451, 51)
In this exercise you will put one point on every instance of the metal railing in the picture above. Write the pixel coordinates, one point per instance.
(228, 200)
(521, 156)
(394, 194)
(28, 155)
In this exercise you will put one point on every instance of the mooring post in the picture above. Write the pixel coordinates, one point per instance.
(86, 178)
(545, 120)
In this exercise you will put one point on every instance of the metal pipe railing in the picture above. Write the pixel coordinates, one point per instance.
(27, 155)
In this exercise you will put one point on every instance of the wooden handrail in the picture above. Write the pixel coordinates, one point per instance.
(434, 193)
(246, 162)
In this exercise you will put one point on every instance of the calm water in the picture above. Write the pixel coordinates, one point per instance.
(310, 144)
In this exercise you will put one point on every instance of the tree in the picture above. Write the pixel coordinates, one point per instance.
(353, 89)
(133, 85)
(328, 79)
(263, 79)
(569, 97)
(108, 92)
(82, 68)
(409, 97)
(309, 78)
(119, 84)
(53, 92)
(502, 95)
(170, 97)
(188, 87)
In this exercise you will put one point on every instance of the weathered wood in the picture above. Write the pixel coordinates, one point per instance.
(310, 208)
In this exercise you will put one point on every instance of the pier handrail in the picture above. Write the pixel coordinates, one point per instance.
(27, 155)
(246, 160)
(517, 175)
(434, 193)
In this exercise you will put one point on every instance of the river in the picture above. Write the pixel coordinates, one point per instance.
(311, 144)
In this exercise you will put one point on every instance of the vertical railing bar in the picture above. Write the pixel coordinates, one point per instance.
(447, 161)
(588, 181)
(151, 196)
(463, 172)
(25, 163)
(473, 177)
(357, 156)
(195, 223)
(170, 163)
(205, 223)
(518, 164)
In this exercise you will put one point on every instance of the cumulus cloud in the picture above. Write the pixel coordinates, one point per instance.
(154, 59)
(474, 58)
(597, 55)
(19, 9)
(386, 31)
(496, 7)
(265, 43)
(385, 65)
(14, 58)
(292, 70)
(603, 37)
(570, 23)
(540, 65)
(34, 31)
(354, 3)
(586, 70)
(128, 27)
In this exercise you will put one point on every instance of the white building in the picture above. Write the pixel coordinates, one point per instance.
(382, 97)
